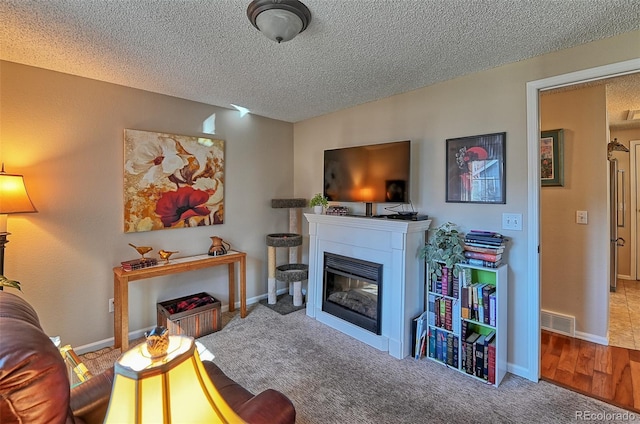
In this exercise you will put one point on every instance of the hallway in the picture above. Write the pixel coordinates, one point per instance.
(609, 373)
(624, 315)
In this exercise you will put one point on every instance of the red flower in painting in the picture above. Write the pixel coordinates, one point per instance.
(182, 204)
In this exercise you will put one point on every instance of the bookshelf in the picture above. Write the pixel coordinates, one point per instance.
(465, 322)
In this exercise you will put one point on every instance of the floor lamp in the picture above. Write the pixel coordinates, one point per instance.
(13, 199)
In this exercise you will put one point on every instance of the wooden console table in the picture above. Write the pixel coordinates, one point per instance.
(121, 279)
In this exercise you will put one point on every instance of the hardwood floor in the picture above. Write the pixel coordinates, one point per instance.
(608, 373)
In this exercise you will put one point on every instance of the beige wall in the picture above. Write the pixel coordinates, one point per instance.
(486, 102)
(65, 134)
(574, 257)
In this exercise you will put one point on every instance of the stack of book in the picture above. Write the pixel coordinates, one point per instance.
(484, 248)
(139, 264)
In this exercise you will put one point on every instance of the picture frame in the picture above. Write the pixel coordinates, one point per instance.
(476, 169)
(552, 158)
(172, 181)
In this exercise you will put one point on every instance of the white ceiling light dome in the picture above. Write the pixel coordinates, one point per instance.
(279, 20)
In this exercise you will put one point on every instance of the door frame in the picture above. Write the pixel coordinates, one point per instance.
(633, 208)
(533, 152)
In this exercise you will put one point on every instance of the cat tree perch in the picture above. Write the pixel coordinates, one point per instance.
(294, 272)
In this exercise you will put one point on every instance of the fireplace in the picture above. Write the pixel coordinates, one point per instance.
(389, 244)
(352, 291)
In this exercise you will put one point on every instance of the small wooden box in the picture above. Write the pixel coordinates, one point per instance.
(196, 322)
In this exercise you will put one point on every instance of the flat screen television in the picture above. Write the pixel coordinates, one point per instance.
(375, 173)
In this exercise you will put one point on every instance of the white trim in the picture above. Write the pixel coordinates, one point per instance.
(633, 209)
(136, 334)
(533, 135)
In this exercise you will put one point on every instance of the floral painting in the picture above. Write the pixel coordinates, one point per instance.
(476, 169)
(172, 181)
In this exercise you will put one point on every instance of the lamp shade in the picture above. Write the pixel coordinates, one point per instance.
(172, 389)
(13, 195)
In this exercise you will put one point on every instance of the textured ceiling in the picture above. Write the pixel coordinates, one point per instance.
(352, 52)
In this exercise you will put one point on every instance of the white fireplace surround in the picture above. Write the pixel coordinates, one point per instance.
(390, 242)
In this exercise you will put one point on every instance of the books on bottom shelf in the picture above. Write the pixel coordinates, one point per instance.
(479, 355)
(443, 346)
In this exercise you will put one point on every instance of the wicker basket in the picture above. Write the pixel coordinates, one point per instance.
(196, 322)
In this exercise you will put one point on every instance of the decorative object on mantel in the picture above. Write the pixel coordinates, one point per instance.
(166, 254)
(172, 181)
(142, 250)
(218, 246)
(445, 247)
(13, 199)
(337, 210)
(279, 20)
(318, 203)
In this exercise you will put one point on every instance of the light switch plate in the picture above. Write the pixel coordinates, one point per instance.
(582, 217)
(512, 221)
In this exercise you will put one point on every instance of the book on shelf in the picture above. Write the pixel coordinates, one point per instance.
(445, 281)
(421, 325)
(485, 264)
(491, 374)
(490, 250)
(441, 345)
(487, 290)
(468, 348)
(431, 309)
(478, 356)
(432, 342)
(487, 340)
(489, 257)
(448, 314)
(450, 346)
(492, 309)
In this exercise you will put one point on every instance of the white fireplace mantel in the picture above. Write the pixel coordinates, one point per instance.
(390, 242)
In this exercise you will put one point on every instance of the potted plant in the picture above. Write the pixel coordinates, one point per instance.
(318, 202)
(444, 249)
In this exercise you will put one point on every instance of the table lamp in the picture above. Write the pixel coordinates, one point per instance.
(13, 199)
(173, 388)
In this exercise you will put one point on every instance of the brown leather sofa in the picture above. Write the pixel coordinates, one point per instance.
(34, 385)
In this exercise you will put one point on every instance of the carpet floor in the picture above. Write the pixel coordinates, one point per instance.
(333, 378)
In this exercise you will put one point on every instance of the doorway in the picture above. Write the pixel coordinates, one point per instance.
(533, 133)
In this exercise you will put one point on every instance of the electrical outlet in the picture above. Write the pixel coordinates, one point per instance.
(512, 221)
(111, 305)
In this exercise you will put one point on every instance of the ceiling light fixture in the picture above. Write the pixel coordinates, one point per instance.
(279, 20)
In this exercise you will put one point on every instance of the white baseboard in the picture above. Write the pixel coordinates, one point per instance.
(625, 277)
(592, 338)
(136, 334)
